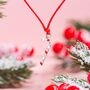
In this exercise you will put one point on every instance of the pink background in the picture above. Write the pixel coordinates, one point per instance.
(21, 26)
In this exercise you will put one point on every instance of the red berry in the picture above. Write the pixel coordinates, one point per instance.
(30, 52)
(79, 36)
(88, 44)
(69, 33)
(73, 88)
(20, 58)
(57, 48)
(63, 86)
(88, 78)
(14, 49)
(52, 87)
(83, 36)
(66, 52)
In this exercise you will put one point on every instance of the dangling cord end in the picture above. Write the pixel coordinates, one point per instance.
(41, 63)
(48, 39)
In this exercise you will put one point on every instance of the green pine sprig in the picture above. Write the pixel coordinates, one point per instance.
(2, 2)
(78, 25)
(66, 79)
(15, 77)
(81, 55)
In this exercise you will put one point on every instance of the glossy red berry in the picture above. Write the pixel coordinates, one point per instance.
(20, 58)
(14, 49)
(52, 87)
(88, 44)
(57, 47)
(30, 52)
(83, 35)
(80, 36)
(73, 88)
(66, 52)
(63, 86)
(88, 78)
(69, 33)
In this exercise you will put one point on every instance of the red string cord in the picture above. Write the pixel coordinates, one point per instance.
(55, 13)
(39, 17)
(35, 14)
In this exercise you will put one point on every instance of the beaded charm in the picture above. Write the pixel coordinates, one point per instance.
(46, 29)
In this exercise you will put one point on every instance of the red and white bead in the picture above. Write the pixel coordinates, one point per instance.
(48, 39)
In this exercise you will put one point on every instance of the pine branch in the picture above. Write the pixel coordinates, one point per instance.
(2, 2)
(79, 25)
(1, 15)
(81, 52)
(10, 78)
(69, 80)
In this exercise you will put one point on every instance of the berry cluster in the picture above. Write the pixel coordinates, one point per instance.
(81, 35)
(71, 33)
(15, 63)
(13, 50)
(63, 86)
(68, 86)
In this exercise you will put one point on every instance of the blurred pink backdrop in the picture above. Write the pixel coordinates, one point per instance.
(21, 26)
